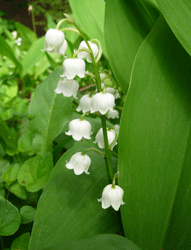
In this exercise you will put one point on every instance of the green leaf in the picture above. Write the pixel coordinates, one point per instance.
(89, 15)
(6, 50)
(27, 214)
(154, 145)
(101, 242)
(177, 14)
(9, 217)
(27, 35)
(50, 112)
(68, 208)
(9, 137)
(50, 22)
(33, 55)
(35, 172)
(127, 23)
(11, 174)
(21, 242)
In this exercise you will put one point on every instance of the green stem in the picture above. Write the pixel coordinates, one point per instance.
(107, 149)
(94, 149)
(98, 84)
(114, 178)
(33, 22)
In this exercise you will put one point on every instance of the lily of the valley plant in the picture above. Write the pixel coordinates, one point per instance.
(99, 101)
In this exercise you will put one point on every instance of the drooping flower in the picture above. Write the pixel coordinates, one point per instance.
(67, 87)
(79, 162)
(73, 67)
(86, 54)
(99, 139)
(113, 114)
(112, 196)
(113, 91)
(85, 104)
(55, 41)
(102, 102)
(117, 127)
(79, 129)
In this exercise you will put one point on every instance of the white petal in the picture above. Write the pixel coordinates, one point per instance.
(113, 114)
(67, 87)
(102, 102)
(86, 54)
(53, 40)
(85, 104)
(63, 48)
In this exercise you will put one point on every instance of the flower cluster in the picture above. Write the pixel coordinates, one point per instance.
(100, 101)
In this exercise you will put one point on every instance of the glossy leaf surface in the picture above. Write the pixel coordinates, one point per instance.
(127, 23)
(89, 15)
(101, 242)
(50, 112)
(68, 208)
(177, 14)
(9, 217)
(155, 163)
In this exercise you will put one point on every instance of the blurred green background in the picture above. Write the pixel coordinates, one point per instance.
(19, 11)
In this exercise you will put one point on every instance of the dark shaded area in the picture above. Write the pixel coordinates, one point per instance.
(17, 10)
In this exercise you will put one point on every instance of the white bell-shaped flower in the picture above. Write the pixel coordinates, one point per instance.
(79, 129)
(112, 196)
(80, 163)
(85, 104)
(99, 139)
(73, 67)
(113, 91)
(85, 54)
(63, 48)
(117, 127)
(113, 114)
(54, 40)
(102, 102)
(67, 87)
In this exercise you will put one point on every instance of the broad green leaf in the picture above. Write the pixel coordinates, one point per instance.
(127, 23)
(68, 208)
(9, 137)
(21, 242)
(101, 242)
(27, 35)
(35, 172)
(33, 55)
(50, 112)
(89, 15)
(27, 214)
(154, 144)
(9, 217)
(17, 190)
(177, 14)
(6, 50)
(11, 174)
